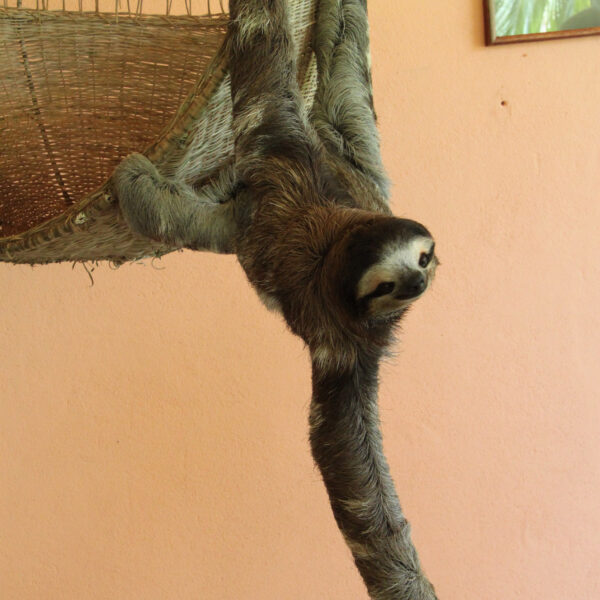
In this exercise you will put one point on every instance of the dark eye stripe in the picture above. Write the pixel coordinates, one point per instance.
(382, 289)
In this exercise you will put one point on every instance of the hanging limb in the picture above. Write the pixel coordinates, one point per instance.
(347, 446)
(343, 113)
(174, 212)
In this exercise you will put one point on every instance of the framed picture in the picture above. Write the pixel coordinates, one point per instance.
(510, 21)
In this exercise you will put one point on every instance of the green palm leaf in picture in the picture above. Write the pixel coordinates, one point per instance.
(519, 17)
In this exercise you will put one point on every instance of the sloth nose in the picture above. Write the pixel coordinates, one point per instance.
(412, 285)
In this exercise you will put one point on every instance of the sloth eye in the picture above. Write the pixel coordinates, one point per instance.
(383, 289)
(425, 257)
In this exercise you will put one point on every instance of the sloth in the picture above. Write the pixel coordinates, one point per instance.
(309, 221)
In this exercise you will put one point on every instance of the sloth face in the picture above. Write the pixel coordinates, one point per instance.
(393, 262)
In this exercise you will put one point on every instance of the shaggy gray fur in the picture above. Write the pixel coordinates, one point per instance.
(309, 221)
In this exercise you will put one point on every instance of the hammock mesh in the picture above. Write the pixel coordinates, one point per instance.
(81, 90)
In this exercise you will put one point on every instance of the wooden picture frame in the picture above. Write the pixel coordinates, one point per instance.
(493, 38)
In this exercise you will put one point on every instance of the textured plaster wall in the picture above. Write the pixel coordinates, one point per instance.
(153, 439)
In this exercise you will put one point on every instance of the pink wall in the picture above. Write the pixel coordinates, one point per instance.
(153, 440)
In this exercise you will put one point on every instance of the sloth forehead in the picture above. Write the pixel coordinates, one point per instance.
(395, 257)
(404, 255)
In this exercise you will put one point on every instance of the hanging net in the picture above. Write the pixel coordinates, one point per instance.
(84, 83)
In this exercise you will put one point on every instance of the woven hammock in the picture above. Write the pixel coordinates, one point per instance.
(81, 90)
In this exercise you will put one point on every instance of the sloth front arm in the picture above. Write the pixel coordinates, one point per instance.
(171, 211)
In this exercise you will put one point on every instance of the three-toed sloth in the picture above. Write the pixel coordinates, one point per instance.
(310, 224)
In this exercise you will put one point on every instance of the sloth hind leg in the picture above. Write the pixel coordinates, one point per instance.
(171, 211)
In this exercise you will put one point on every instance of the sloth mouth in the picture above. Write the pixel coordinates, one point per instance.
(407, 298)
